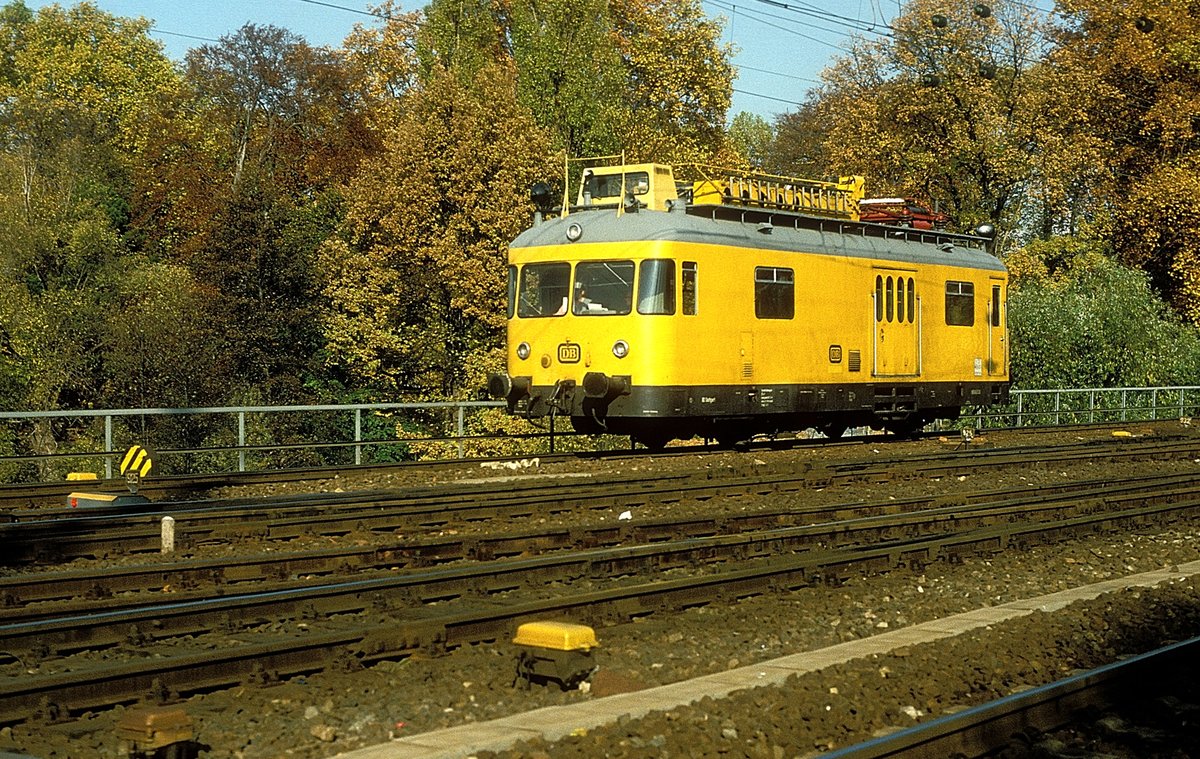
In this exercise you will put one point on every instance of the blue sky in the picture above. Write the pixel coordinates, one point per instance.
(781, 46)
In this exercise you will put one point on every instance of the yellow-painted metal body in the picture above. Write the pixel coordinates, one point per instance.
(651, 184)
(724, 343)
(78, 476)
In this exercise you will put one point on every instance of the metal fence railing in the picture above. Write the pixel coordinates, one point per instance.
(46, 444)
(233, 438)
(1091, 406)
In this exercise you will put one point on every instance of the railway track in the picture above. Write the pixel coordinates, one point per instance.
(745, 533)
(45, 536)
(489, 603)
(984, 730)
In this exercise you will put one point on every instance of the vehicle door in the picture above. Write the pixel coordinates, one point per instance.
(997, 330)
(897, 320)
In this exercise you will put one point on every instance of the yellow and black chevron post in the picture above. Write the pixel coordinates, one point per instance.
(137, 464)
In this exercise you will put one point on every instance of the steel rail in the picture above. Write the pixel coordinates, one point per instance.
(437, 629)
(97, 586)
(381, 511)
(982, 730)
(138, 623)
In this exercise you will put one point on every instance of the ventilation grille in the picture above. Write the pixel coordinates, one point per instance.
(747, 370)
(855, 361)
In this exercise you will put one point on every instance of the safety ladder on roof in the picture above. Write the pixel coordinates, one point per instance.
(838, 200)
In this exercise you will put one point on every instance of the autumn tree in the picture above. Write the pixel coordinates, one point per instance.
(1132, 75)
(680, 80)
(383, 61)
(75, 88)
(946, 107)
(751, 137)
(416, 278)
(243, 185)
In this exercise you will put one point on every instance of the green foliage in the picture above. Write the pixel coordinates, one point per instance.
(750, 136)
(1077, 318)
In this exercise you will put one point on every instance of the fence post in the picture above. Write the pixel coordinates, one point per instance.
(1181, 403)
(1057, 405)
(461, 430)
(108, 446)
(1124, 404)
(357, 436)
(1092, 407)
(241, 441)
(1020, 404)
(1154, 404)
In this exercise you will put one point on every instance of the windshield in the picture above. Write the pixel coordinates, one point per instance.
(603, 288)
(544, 290)
(609, 185)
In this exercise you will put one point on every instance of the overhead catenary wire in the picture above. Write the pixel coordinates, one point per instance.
(807, 9)
(758, 18)
(348, 9)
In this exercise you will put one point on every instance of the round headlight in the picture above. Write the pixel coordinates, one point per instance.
(620, 349)
(523, 351)
(574, 232)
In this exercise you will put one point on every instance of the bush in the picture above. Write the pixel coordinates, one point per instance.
(1077, 318)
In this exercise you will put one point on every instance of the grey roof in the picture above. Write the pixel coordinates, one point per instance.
(788, 232)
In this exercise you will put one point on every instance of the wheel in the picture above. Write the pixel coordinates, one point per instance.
(653, 441)
(833, 430)
(905, 428)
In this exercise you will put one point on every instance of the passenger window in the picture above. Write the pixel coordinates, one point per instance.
(900, 299)
(512, 291)
(891, 297)
(689, 288)
(878, 298)
(656, 287)
(960, 304)
(995, 305)
(603, 288)
(544, 290)
(774, 293)
(912, 299)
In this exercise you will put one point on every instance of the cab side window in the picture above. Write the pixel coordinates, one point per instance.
(690, 282)
(960, 304)
(774, 293)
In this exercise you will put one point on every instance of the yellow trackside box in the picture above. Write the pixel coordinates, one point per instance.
(558, 651)
(145, 730)
(560, 636)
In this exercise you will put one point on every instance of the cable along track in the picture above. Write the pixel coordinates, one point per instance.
(490, 598)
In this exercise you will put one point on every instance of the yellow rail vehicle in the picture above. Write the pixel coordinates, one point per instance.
(739, 316)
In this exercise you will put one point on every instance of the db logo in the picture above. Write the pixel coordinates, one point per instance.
(569, 353)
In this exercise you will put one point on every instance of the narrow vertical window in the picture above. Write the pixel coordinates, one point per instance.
(890, 291)
(912, 299)
(512, 291)
(689, 287)
(900, 300)
(878, 298)
(995, 305)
